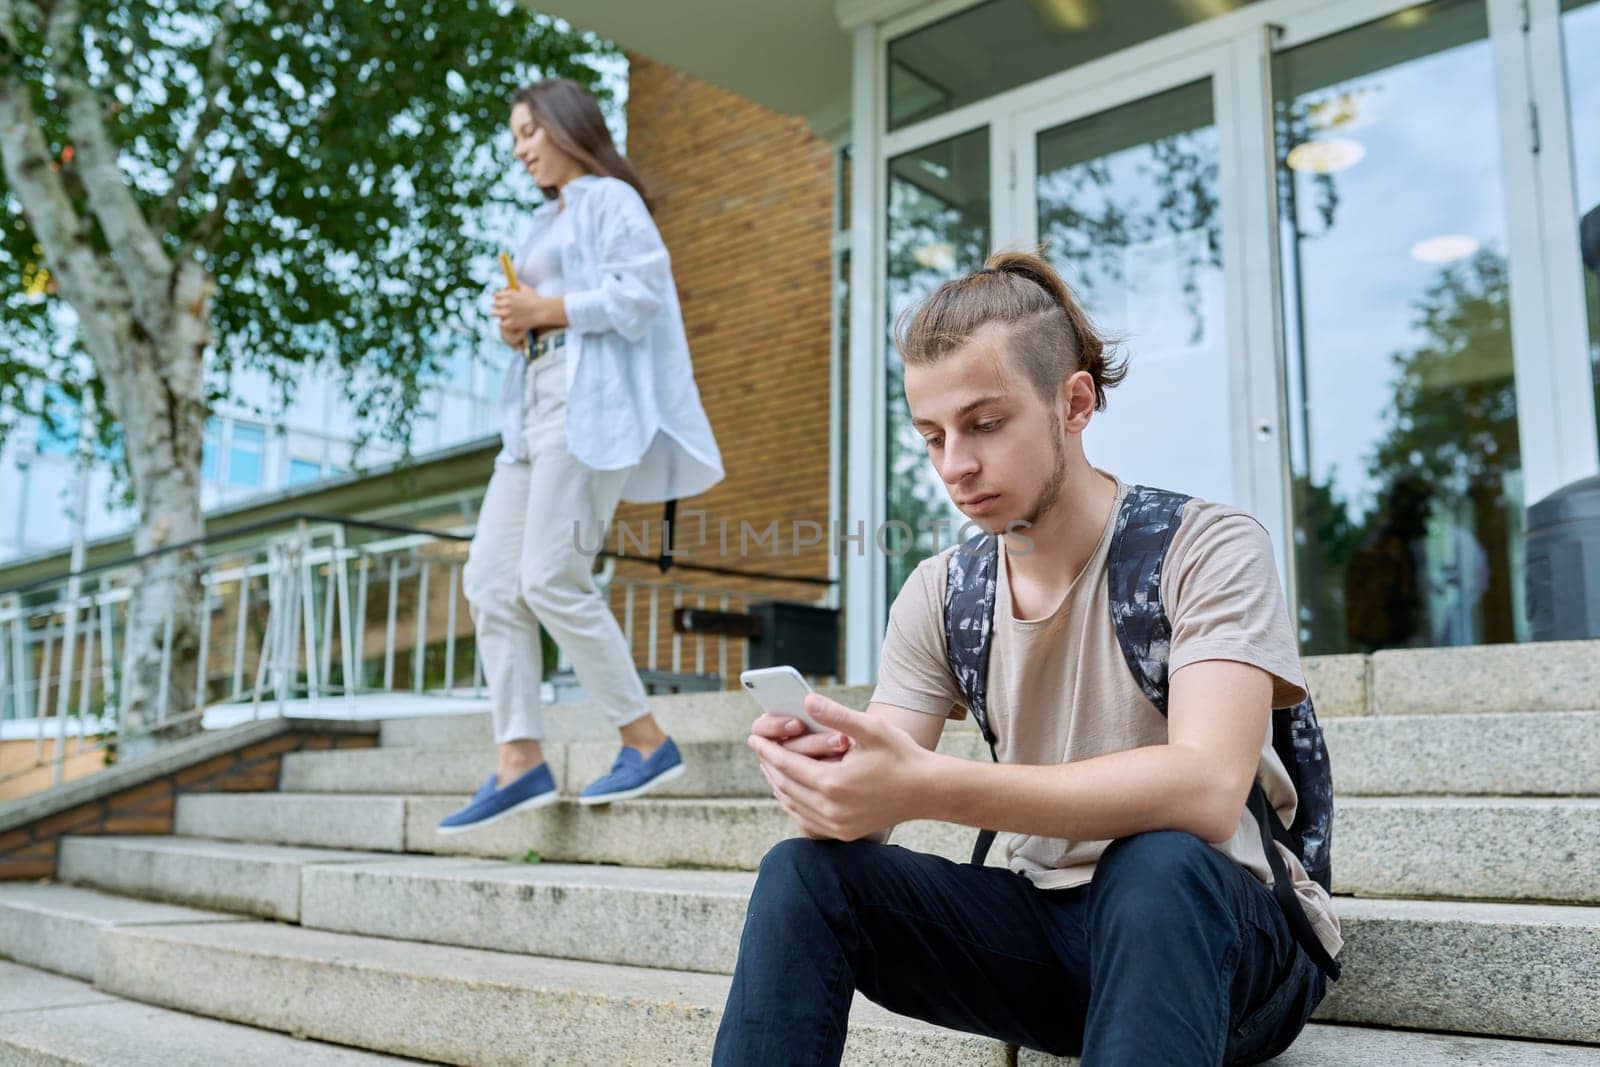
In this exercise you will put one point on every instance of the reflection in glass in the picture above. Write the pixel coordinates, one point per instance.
(1128, 212)
(1580, 31)
(938, 228)
(1403, 422)
(999, 45)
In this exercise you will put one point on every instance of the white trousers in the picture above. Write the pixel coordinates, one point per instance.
(525, 567)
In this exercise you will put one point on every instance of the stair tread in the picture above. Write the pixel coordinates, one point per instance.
(679, 880)
(663, 994)
(211, 846)
(62, 1021)
(95, 906)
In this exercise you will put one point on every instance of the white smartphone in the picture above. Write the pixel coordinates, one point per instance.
(780, 691)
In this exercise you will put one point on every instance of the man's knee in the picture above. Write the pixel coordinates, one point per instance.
(1144, 872)
(804, 871)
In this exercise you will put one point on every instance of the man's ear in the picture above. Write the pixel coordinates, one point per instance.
(1077, 401)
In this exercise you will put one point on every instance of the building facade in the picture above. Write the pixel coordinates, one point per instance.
(1349, 247)
(1342, 244)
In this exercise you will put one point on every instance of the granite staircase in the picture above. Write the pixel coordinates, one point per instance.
(325, 922)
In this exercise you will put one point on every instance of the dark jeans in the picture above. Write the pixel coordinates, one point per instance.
(1174, 954)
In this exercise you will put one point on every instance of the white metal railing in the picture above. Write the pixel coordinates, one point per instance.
(324, 611)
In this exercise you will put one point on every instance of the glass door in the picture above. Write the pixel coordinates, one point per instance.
(1122, 188)
(1406, 456)
(938, 227)
(1580, 39)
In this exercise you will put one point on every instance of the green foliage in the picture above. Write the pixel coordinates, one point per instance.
(348, 152)
(1454, 419)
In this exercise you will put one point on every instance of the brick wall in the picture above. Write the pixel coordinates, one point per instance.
(744, 200)
(30, 851)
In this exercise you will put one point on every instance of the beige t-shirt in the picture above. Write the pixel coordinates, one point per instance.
(1060, 690)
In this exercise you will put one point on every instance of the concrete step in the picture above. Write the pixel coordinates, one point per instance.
(369, 823)
(1545, 676)
(713, 768)
(1502, 969)
(1484, 848)
(56, 926)
(562, 911)
(1518, 848)
(1519, 970)
(1327, 1045)
(249, 879)
(465, 1005)
(468, 1006)
(417, 771)
(1412, 952)
(728, 834)
(1558, 676)
(47, 1020)
(1524, 970)
(1507, 754)
(724, 716)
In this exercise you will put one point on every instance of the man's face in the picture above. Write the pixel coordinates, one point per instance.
(994, 442)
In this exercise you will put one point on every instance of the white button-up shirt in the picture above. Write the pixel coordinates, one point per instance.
(631, 395)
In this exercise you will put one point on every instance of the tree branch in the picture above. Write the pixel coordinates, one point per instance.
(214, 78)
(55, 223)
(29, 171)
(136, 249)
(10, 51)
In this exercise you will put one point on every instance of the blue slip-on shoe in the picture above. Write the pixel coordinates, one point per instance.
(632, 775)
(535, 789)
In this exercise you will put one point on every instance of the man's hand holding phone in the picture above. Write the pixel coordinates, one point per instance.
(839, 773)
(792, 734)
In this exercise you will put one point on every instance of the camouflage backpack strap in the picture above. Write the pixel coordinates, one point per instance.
(968, 631)
(1145, 527)
(969, 621)
(1148, 521)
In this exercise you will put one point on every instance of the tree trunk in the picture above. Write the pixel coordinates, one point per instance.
(161, 405)
(144, 317)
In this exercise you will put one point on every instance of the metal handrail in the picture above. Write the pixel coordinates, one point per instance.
(298, 517)
(306, 598)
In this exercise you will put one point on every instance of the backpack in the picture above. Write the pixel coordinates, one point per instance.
(1145, 526)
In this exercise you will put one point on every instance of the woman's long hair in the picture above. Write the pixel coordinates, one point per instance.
(570, 116)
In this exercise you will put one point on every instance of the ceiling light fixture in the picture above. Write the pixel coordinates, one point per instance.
(1446, 248)
(1326, 156)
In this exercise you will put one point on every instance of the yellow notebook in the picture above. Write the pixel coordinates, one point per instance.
(511, 283)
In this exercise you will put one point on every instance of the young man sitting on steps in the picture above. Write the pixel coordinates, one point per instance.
(1133, 922)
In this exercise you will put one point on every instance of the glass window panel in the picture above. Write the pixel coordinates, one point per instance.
(938, 228)
(56, 438)
(302, 471)
(1407, 474)
(1128, 206)
(1002, 44)
(211, 447)
(1580, 31)
(245, 455)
